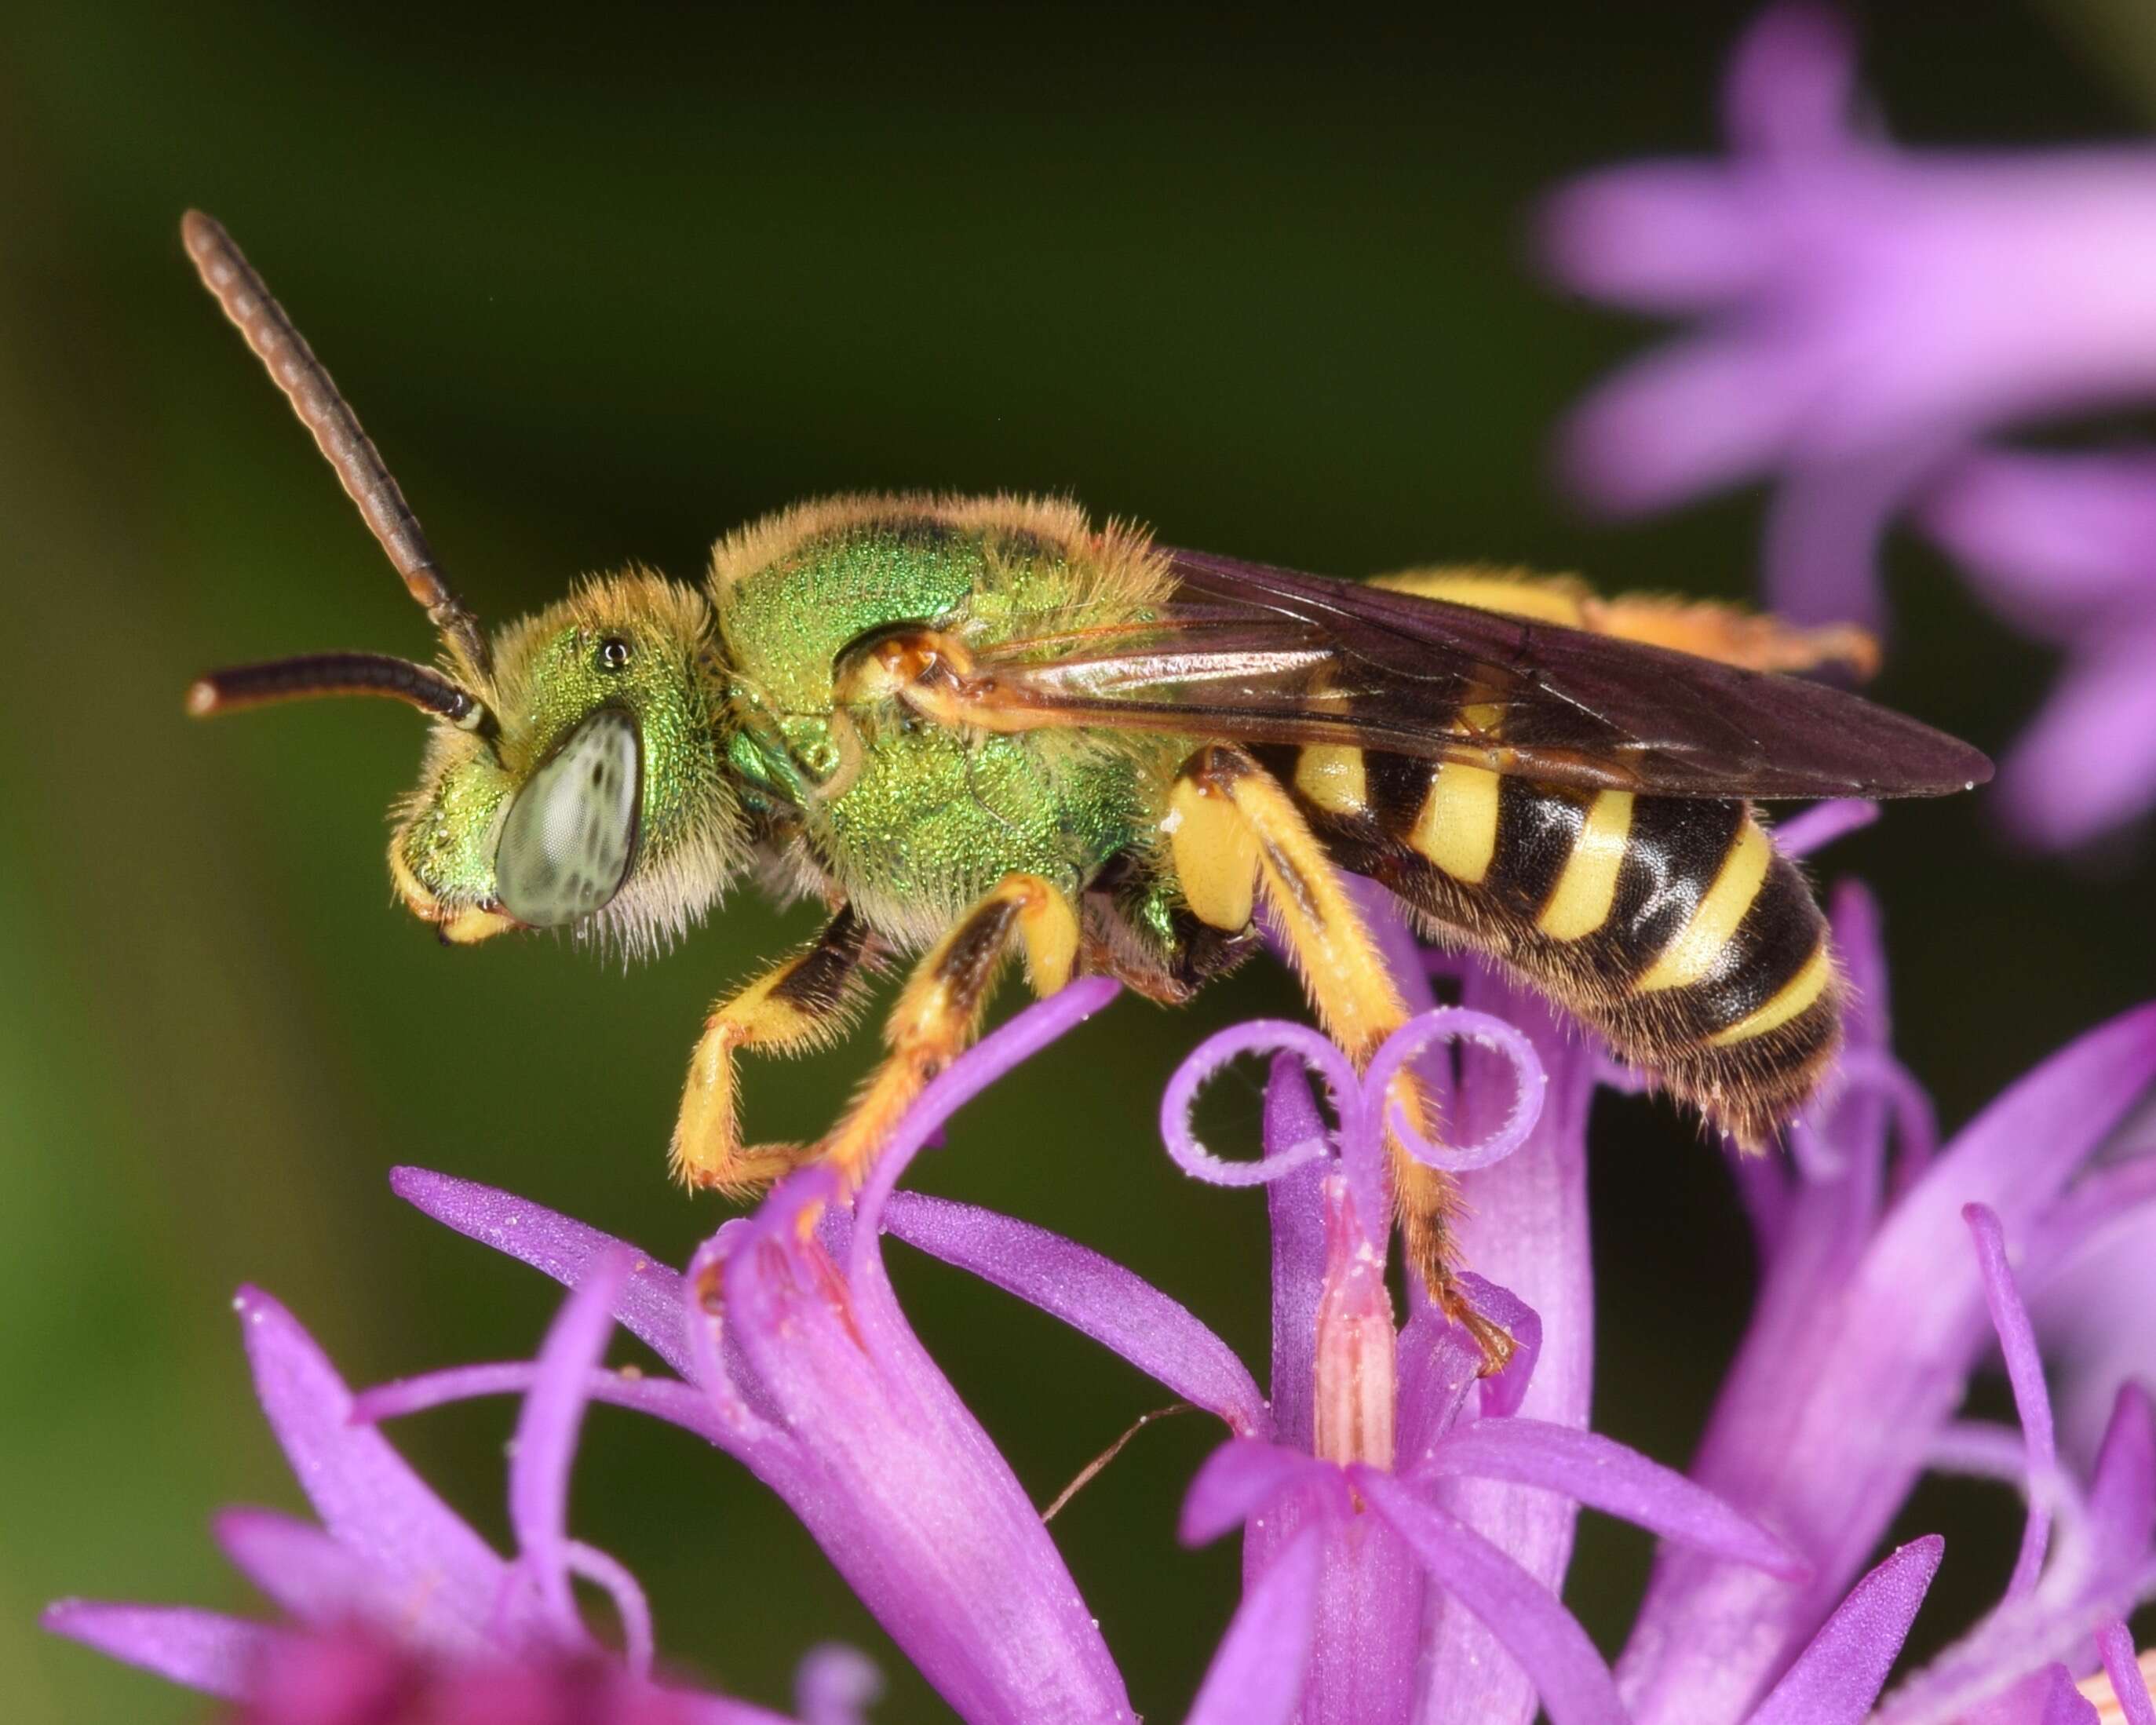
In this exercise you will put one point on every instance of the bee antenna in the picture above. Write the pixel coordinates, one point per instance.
(320, 673)
(314, 396)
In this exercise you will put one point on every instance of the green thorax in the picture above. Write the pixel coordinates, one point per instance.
(924, 819)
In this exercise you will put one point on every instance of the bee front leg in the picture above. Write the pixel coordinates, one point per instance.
(803, 1004)
(939, 1013)
(1236, 832)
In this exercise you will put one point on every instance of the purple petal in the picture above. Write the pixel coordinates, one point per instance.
(1820, 825)
(2101, 1213)
(2054, 542)
(892, 1476)
(650, 1301)
(1503, 1394)
(1241, 1478)
(1984, 1675)
(1001, 1051)
(2016, 1154)
(2129, 1683)
(2094, 1299)
(1859, 943)
(546, 1429)
(1827, 517)
(1439, 1365)
(362, 1489)
(836, 1685)
(2088, 763)
(1527, 1620)
(313, 1579)
(2024, 1371)
(1669, 237)
(1296, 1208)
(2121, 1497)
(202, 1650)
(1526, 1229)
(1256, 1677)
(666, 1399)
(2045, 1697)
(1693, 416)
(1605, 1476)
(1790, 83)
(1837, 1678)
(1094, 1296)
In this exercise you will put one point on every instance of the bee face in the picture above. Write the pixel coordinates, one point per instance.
(599, 803)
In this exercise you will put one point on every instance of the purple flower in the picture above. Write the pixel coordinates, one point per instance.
(1407, 1525)
(797, 1361)
(2065, 547)
(1386, 1450)
(393, 1607)
(1864, 311)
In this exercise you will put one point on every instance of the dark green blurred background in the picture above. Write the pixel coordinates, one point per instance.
(604, 283)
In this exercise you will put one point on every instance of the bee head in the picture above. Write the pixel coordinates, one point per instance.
(574, 776)
(595, 798)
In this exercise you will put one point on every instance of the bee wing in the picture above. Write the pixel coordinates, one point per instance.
(1249, 653)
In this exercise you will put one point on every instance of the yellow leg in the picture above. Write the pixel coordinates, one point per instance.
(1705, 627)
(802, 1003)
(1235, 816)
(939, 1012)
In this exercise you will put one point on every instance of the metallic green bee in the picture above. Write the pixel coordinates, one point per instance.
(972, 726)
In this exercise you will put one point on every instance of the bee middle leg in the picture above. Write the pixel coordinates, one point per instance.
(1235, 831)
(803, 1003)
(939, 1013)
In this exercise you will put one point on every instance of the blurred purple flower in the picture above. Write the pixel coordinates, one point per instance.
(1867, 311)
(2065, 547)
(1867, 315)
(393, 1608)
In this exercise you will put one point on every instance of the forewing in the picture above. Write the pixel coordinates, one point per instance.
(1249, 653)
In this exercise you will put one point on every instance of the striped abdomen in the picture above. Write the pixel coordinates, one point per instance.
(1670, 924)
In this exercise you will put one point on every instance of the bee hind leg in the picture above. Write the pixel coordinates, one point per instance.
(939, 1013)
(803, 1002)
(1235, 833)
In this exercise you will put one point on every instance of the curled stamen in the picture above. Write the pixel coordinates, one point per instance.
(1531, 1084)
(1257, 1036)
(630, 1606)
(1867, 1072)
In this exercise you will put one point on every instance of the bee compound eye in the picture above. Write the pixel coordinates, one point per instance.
(570, 836)
(613, 653)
